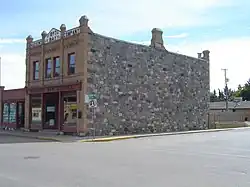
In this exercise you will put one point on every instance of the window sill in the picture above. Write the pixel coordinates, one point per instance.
(52, 78)
(73, 74)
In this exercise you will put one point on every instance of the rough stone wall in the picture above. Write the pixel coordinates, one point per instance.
(141, 89)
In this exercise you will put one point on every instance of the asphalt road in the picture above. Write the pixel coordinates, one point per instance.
(203, 160)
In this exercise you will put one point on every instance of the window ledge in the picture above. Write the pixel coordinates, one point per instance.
(52, 78)
(73, 75)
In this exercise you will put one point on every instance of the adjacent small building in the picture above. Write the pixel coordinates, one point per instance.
(81, 82)
(237, 111)
(13, 108)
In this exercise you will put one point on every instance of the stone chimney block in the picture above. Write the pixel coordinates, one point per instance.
(63, 30)
(206, 55)
(157, 40)
(44, 34)
(84, 21)
(199, 55)
(29, 40)
(63, 27)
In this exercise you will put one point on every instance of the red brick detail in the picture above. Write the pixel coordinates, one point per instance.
(61, 88)
(14, 95)
(69, 128)
(10, 125)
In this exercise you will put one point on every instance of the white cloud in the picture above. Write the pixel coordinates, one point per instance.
(231, 53)
(225, 53)
(182, 35)
(115, 18)
(12, 70)
(11, 41)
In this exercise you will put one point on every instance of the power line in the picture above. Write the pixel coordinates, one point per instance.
(226, 87)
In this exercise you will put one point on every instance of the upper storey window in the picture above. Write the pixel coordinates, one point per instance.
(48, 68)
(36, 70)
(56, 66)
(71, 63)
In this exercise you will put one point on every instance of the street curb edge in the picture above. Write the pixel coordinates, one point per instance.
(108, 139)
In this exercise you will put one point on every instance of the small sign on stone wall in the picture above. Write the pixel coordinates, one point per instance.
(93, 103)
(86, 99)
(91, 100)
(89, 97)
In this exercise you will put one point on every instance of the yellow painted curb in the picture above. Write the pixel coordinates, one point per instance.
(108, 139)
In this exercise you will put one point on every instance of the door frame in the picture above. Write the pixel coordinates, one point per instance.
(55, 97)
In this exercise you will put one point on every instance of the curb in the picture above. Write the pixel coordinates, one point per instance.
(108, 139)
(49, 139)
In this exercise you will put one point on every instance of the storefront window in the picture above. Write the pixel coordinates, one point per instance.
(36, 109)
(6, 111)
(12, 114)
(70, 109)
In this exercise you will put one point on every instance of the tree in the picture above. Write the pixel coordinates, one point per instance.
(239, 87)
(213, 96)
(231, 94)
(221, 96)
(244, 91)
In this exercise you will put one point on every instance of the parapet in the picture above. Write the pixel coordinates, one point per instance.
(56, 34)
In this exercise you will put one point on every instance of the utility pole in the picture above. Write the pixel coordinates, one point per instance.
(226, 88)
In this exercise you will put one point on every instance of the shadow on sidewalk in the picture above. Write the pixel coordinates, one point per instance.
(43, 136)
(9, 139)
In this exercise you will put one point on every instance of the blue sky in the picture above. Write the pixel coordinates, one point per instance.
(222, 26)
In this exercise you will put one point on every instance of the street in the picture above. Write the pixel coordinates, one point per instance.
(208, 159)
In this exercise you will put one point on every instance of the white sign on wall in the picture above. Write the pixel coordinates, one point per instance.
(36, 114)
(86, 99)
(51, 109)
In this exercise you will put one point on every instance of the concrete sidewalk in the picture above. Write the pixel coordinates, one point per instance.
(41, 136)
(67, 138)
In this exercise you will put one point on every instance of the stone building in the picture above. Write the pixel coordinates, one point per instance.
(133, 88)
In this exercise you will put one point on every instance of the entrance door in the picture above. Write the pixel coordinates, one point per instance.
(50, 116)
(51, 107)
(20, 115)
